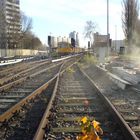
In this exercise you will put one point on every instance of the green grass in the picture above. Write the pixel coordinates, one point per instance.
(90, 59)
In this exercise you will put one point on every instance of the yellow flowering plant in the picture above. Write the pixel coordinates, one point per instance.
(89, 129)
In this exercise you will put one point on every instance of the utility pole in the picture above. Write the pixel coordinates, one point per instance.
(107, 28)
(107, 17)
(115, 37)
(50, 46)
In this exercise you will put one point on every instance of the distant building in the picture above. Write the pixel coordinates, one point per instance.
(100, 46)
(74, 38)
(77, 39)
(73, 35)
(55, 42)
(9, 22)
(65, 42)
(59, 39)
(118, 46)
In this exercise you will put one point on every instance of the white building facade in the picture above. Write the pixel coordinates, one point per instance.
(118, 45)
(75, 36)
(58, 41)
(10, 23)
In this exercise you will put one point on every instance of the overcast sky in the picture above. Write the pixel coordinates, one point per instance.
(60, 17)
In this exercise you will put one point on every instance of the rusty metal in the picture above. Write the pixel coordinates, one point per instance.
(40, 132)
(9, 113)
(4, 80)
(129, 134)
(37, 73)
(70, 66)
(9, 85)
(21, 66)
(18, 106)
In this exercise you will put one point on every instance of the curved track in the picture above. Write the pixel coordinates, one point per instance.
(21, 103)
(20, 70)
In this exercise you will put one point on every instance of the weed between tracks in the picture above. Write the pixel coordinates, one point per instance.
(90, 59)
(87, 61)
(70, 70)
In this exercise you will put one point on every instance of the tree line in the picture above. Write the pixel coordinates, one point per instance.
(17, 32)
(131, 23)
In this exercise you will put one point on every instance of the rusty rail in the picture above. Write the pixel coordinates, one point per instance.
(40, 131)
(18, 106)
(9, 113)
(9, 85)
(129, 134)
(3, 80)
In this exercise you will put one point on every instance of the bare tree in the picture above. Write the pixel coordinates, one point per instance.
(26, 27)
(14, 30)
(90, 29)
(31, 41)
(26, 24)
(129, 19)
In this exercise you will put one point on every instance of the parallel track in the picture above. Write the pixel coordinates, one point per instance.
(77, 97)
(22, 70)
(24, 100)
(127, 101)
(15, 95)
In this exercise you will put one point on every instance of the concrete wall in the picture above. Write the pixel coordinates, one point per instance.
(17, 52)
(116, 44)
(101, 53)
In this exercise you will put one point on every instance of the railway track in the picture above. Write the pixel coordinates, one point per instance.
(21, 70)
(23, 124)
(77, 97)
(125, 101)
(23, 89)
(20, 102)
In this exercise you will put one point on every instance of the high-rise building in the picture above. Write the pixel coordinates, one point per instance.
(73, 35)
(74, 39)
(10, 24)
(55, 42)
(77, 39)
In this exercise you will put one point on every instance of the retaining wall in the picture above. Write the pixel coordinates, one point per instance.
(17, 52)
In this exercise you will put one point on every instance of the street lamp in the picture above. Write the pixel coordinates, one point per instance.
(107, 28)
(107, 17)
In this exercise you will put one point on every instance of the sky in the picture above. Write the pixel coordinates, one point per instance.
(60, 17)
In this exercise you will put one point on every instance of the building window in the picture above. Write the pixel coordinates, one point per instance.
(17, 1)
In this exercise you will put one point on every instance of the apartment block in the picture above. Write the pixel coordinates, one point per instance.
(74, 38)
(10, 24)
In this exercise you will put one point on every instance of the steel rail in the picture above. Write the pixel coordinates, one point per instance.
(9, 113)
(40, 131)
(129, 134)
(3, 80)
(9, 85)
(20, 66)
